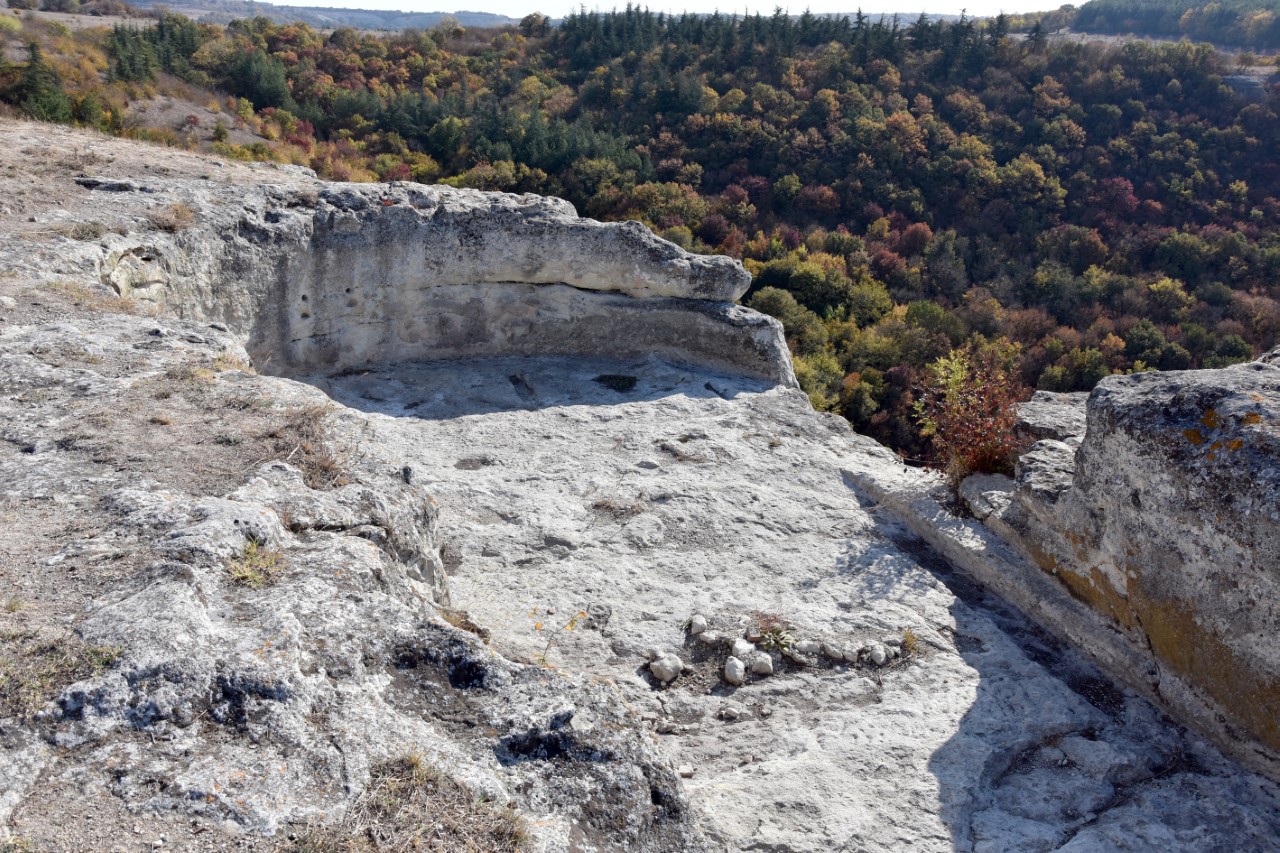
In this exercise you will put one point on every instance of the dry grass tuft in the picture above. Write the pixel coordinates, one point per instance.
(173, 218)
(910, 642)
(257, 566)
(302, 439)
(411, 806)
(83, 231)
(770, 631)
(462, 620)
(34, 670)
(226, 362)
(764, 622)
(189, 373)
(93, 299)
(620, 507)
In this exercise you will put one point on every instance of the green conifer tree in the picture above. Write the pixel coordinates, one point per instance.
(40, 90)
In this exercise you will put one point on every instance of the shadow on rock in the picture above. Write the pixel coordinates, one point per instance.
(1051, 754)
(444, 390)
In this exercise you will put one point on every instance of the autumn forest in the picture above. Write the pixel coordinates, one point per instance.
(898, 189)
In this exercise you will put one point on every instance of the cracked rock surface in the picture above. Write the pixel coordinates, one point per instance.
(673, 499)
(477, 560)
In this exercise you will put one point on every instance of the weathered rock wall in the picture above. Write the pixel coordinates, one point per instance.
(351, 276)
(1166, 522)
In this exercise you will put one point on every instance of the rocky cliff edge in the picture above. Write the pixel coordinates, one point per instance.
(630, 601)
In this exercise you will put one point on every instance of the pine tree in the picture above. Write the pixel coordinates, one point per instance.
(40, 90)
(132, 57)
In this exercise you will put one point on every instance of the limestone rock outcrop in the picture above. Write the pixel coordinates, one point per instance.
(1052, 414)
(1166, 523)
(467, 560)
(328, 278)
(457, 236)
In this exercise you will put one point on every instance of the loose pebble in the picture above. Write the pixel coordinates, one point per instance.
(735, 671)
(761, 664)
(666, 667)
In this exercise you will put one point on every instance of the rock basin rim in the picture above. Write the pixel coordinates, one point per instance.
(350, 276)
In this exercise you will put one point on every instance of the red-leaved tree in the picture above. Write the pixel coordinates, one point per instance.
(968, 408)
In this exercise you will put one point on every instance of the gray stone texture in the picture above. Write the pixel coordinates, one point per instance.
(518, 486)
(1052, 414)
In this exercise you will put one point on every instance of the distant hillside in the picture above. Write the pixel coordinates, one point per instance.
(225, 11)
(1251, 24)
(898, 192)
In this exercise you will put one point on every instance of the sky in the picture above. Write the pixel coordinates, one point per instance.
(558, 8)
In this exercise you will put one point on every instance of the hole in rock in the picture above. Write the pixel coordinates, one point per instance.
(616, 382)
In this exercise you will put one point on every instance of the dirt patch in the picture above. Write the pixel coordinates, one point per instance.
(35, 668)
(409, 805)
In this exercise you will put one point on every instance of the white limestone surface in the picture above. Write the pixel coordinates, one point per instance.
(691, 493)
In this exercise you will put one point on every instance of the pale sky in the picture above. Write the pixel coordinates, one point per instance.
(558, 8)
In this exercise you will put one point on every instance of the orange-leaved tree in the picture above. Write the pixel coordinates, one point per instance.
(968, 409)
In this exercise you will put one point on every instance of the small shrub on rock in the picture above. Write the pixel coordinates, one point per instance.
(968, 409)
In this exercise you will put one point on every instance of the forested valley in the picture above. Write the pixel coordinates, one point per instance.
(899, 190)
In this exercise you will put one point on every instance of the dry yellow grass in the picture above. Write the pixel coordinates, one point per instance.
(33, 670)
(257, 566)
(302, 439)
(411, 806)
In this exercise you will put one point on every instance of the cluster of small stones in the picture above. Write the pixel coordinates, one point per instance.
(747, 656)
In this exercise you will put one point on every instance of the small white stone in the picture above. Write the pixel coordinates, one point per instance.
(833, 651)
(877, 654)
(742, 649)
(761, 664)
(685, 771)
(735, 672)
(697, 624)
(796, 658)
(711, 638)
(808, 647)
(666, 667)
